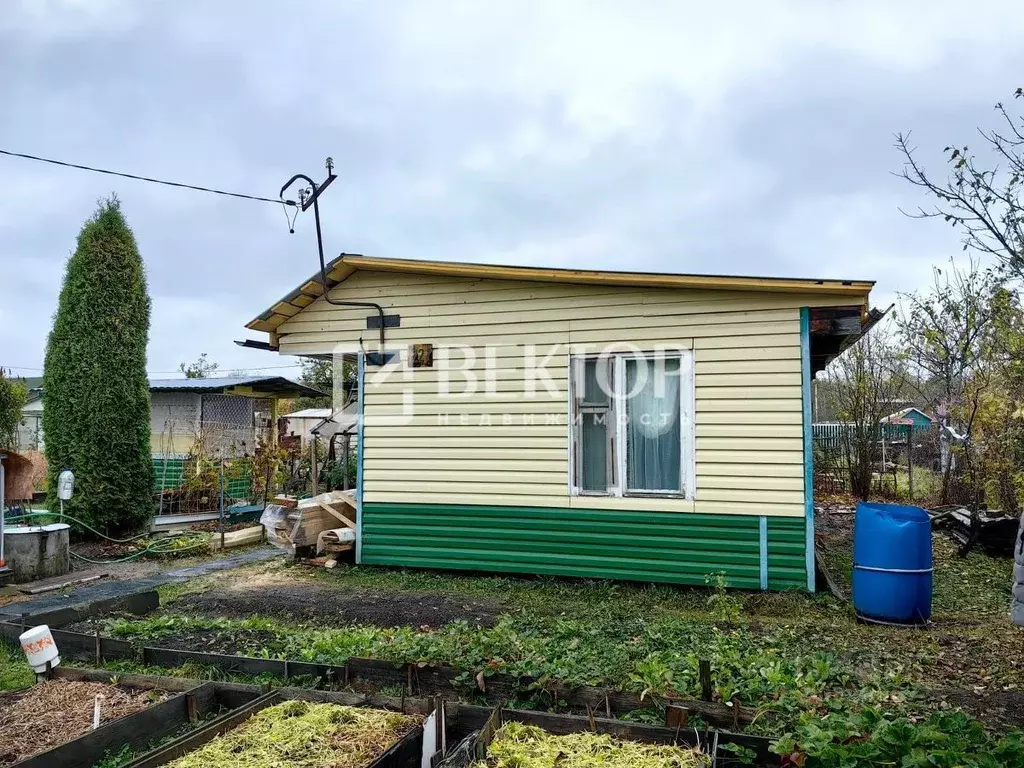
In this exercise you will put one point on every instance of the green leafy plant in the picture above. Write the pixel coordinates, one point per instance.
(870, 738)
(13, 396)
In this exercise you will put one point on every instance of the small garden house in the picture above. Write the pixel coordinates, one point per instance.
(629, 425)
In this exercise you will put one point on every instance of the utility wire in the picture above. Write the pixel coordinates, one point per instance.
(261, 368)
(146, 178)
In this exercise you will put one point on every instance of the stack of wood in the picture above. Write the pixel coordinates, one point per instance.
(301, 523)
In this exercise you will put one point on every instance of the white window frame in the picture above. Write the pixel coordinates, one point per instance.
(687, 411)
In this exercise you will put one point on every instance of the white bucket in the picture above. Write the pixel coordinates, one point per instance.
(39, 648)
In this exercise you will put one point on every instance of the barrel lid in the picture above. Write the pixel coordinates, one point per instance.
(15, 529)
(896, 511)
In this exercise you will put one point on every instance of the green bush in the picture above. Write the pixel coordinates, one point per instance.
(13, 396)
(95, 390)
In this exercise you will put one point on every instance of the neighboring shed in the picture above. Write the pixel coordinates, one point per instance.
(912, 417)
(323, 422)
(229, 410)
(30, 431)
(691, 457)
(225, 413)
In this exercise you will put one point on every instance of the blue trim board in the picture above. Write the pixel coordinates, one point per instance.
(805, 369)
(361, 373)
(763, 546)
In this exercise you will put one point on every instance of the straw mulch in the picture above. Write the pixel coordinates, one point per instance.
(301, 734)
(54, 712)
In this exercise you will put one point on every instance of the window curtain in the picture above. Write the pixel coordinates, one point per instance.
(653, 427)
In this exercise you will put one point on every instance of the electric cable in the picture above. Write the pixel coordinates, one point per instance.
(137, 177)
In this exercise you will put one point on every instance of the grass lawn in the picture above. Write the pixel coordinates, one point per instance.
(786, 653)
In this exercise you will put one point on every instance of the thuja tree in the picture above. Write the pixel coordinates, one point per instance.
(96, 394)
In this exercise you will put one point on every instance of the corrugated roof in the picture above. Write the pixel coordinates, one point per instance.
(309, 413)
(347, 263)
(271, 385)
(267, 385)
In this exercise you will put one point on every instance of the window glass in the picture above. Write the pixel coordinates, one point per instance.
(653, 432)
(649, 397)
(594, 378)
(593, 453)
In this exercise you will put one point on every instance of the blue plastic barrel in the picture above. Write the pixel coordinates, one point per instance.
(892, 563)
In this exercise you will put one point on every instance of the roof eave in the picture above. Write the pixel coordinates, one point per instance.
(346, 264)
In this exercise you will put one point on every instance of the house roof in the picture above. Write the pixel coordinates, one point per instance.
(906, 413)
(347, 264)
(257, 385)
(310, 413)
(253, 386)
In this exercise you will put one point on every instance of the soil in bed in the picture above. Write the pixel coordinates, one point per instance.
(54, 712)
(326, 606)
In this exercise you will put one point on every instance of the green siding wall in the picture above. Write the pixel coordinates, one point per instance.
(673, 547)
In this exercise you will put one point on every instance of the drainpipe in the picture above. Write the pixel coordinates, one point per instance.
(3, 457)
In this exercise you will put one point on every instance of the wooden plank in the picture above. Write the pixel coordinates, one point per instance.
(62, 585)
(240, 538)
(139, 603)
(338, 515)
(167, 657)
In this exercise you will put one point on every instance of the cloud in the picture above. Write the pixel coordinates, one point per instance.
(744, 138)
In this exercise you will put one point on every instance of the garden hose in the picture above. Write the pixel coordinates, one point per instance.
(159, 547)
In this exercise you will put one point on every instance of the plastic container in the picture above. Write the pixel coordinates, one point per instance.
(892, 563)
(39, 648)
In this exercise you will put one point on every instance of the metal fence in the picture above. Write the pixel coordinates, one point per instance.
(905, 462)
(209, 452)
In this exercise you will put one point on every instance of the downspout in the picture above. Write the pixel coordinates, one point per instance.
(360, 441)
(805, 381)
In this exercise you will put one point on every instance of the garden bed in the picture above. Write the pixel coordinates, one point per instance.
(508, 738)
(53, 712)
(320, 735)
(527, 746)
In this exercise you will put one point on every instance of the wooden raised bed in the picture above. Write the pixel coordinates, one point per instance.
(407, 752)
(204, 711)
(469, 730)
(189, 702)
(365, 675)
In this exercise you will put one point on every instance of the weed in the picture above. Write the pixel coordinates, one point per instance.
(725, 606)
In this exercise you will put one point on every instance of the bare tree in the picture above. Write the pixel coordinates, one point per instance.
(946, 332)
(979, 196)
(863, 383)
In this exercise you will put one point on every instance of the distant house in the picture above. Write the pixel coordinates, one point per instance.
(322, 422)
(226, 413)
(30, 431)
(912, 417)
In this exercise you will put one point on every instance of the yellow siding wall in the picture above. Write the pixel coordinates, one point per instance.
(483, 448)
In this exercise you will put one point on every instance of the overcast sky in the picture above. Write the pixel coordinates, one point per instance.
(737, 137)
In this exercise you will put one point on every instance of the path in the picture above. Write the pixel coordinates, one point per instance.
(110, 588)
